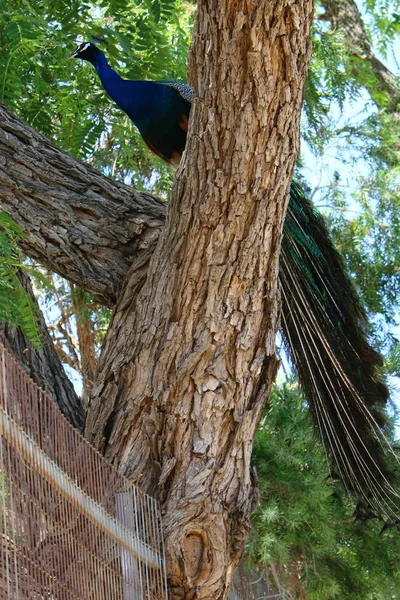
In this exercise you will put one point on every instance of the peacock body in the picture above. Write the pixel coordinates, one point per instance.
(159, 110)
(323, 321)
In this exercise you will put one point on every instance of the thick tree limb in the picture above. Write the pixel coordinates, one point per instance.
(78, 222)
(344, 15)
(43, 364)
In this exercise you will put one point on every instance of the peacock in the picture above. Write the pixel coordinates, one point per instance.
(323, 321)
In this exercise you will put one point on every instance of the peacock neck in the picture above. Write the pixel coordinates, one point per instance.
(114, 85)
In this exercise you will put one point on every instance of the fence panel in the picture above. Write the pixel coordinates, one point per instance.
(72, 527)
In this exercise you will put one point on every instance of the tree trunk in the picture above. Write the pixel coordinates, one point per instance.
(189, 360)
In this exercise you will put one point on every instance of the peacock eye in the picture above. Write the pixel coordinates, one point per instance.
(84, 47)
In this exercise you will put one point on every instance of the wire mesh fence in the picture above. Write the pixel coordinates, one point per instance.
(72, 527)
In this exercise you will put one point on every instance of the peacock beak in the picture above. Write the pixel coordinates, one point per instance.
(73, 54)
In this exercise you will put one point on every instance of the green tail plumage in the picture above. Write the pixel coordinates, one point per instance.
(323, 326)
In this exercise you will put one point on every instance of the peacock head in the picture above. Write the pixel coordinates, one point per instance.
(85, 51)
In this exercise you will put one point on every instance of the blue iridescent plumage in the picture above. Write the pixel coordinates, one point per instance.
(147, 103)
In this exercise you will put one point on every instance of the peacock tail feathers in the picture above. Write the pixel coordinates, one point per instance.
(324, 331)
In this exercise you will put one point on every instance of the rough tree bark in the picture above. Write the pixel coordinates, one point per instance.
(78, 223)
(189, 357)
(188, 361)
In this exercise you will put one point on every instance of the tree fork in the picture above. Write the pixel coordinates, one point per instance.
(189, 360)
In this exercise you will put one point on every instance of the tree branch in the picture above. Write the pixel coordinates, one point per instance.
(344, 15)
(79, 223)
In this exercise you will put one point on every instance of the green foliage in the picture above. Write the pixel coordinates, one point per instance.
(328, 82)
(383, 20)
(305, 524)
(365, 218)
(16, 306)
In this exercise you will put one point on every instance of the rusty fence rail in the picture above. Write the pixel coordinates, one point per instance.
(72, 527)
